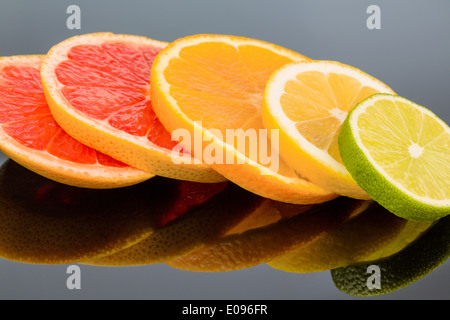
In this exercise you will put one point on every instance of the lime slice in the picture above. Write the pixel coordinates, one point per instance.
(399, 270)
(399, 153)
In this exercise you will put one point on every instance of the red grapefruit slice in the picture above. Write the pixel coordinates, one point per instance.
(98, 89)
(30, 136)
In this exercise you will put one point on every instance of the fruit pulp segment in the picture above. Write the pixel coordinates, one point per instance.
(318, 104)
(25, 116)
(225, 81)
(222, 86)
(409, 145)
(110, 82)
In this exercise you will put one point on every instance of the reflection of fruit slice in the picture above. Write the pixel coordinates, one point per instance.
(307, 102)
(195, 229)
(42, 221)
(401, 269)
(219, 81)
(373, 234)
(259, 245)
(97, 87)
(399, 152)
(30, 135)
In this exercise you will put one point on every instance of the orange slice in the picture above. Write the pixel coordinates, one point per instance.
(97, 86)
(308, 102)
(211, 87)
(30, 136)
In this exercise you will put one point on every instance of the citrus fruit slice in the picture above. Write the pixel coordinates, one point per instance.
(97, 86)
(308, 102)
(30, 135)
(198, 227)
(373, 234)
(409, 265)
(258, 245)
(399, 152)
(208, 90)
(43, 221)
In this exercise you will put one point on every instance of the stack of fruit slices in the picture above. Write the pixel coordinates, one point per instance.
(99, 111)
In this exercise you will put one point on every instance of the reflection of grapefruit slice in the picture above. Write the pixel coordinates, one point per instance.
(42, 221)
(197, 228)
(30, 135)
(258, 245)
(97, 86)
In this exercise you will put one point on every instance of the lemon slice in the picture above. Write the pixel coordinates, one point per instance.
(399, 153)
(308, 102)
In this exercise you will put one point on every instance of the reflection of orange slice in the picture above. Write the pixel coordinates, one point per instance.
(198, 227)
(259, 245)
(219, 81)
(308, 102)
(30, 135)
(233, 211)
(97, 86)
(42, 221)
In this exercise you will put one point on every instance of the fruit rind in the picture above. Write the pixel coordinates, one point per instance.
(381, 188)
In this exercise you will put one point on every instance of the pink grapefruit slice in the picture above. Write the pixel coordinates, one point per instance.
(98, 89)
(30, 136)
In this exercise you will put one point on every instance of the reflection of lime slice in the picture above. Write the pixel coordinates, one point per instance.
(399, 270)
(374, 234)
(399, 153)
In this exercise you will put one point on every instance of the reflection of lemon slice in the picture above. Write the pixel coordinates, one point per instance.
(401, 269)
(211, 87)
(374, 234)
(307, 102)
(259, 245)
(399, 152)
(195, 229)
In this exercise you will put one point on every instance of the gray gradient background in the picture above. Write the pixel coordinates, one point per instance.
(410, 53)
